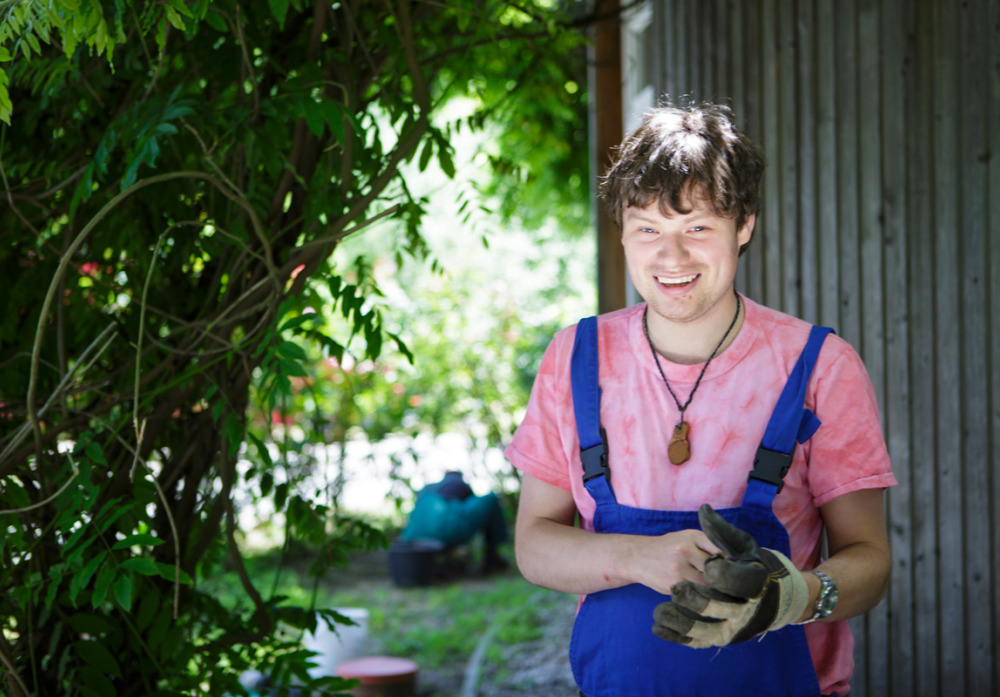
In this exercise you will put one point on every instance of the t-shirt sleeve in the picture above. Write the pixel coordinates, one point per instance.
(541, 443)
(848, 452)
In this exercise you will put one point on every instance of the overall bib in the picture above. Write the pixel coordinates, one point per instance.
(613, 651)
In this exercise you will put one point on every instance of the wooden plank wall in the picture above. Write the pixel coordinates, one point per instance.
(881, 124)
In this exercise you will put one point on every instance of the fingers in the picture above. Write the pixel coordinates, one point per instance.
(660, 562)
(730, 539)
(675, 622)
(736, 578)
(701, 599)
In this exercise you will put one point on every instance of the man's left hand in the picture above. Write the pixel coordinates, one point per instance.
(749, 590)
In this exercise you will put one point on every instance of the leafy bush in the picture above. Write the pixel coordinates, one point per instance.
(177, 177)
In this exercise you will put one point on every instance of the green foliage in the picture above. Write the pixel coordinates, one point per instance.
(438, 626)
(177, 175)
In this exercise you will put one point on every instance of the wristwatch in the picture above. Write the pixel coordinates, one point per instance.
(827, 599)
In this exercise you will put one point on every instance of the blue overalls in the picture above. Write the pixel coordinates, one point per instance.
(613, 651)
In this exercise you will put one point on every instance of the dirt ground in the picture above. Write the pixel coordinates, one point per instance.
(537, 667)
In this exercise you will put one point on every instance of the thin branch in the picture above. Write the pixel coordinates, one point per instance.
(166, 508)
(50, 499)
(159, 62)
(404, 28)
(82, 236)
(10, 200)
(86, 364)
(240, 198)
(139, 431)
(18, 688)
(237, 29)
(346, 233)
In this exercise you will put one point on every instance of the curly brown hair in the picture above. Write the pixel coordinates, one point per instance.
(681, 152)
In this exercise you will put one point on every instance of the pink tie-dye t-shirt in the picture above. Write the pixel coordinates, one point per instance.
(727, 419)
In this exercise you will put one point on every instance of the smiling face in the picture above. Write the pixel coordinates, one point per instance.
(684, 266)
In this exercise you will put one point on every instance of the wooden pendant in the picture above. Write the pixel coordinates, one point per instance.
(679, 449)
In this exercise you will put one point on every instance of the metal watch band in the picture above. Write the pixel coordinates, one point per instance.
(827, 599)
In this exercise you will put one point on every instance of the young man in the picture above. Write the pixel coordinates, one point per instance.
(701, 396)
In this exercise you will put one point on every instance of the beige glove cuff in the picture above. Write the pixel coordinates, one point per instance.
(794, 593)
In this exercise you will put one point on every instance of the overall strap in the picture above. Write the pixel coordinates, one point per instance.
(587, 400)
(790, 421)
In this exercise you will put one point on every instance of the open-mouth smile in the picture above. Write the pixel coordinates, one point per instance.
(675, 282)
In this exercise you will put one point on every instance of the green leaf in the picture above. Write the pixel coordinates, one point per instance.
(149, 602)
(55, 583)
(95, 682)
(122, 590)
(314, 117)
(141, 540)
(446, 162)
(280, 496)
(298, 320)
(95, 453)
(168, 571)
(142, 565)
(81, 579)
(95, 654)
(289, 349)
(425, 155)
(102, 585)
(181, 7)
(262, 450)
(333, 114)
(215, 20)
(114, 515)
(175, 19)
(279, 8)
(91, 623)
(293, 368)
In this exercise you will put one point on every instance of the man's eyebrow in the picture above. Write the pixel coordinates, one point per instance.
(687, 218)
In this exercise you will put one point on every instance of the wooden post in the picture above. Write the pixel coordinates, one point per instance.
(607, 129)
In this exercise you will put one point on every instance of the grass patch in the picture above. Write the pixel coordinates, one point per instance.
(438, 626)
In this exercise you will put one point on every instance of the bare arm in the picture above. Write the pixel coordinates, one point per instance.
(553, 553)
(859, 553)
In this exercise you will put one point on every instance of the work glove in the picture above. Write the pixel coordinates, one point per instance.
(750, 590)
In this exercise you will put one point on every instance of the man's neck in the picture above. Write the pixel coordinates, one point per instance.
(691, 343)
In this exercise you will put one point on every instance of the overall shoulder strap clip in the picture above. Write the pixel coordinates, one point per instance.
(595, 460)
(790, 421)
(587, 400)
(771, 466)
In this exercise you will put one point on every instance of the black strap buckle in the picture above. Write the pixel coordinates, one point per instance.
(595, 460)
(770, 466)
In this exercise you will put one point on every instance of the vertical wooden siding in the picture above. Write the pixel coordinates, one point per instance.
(881, 124)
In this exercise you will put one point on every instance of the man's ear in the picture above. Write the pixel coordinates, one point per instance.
(745, 233)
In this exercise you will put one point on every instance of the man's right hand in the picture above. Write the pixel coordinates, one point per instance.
(552, 551)
(662, 561)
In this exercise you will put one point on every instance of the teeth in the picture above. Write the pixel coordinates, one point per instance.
(676, 281)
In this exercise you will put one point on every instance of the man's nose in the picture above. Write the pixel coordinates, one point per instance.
(673, 247)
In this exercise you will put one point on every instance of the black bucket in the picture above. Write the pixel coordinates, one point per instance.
(412, 562)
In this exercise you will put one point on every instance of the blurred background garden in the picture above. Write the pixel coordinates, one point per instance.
(270, 268)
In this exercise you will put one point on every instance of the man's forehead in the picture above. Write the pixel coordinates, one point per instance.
(700, 207)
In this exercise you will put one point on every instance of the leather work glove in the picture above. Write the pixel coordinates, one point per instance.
(751, 590)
